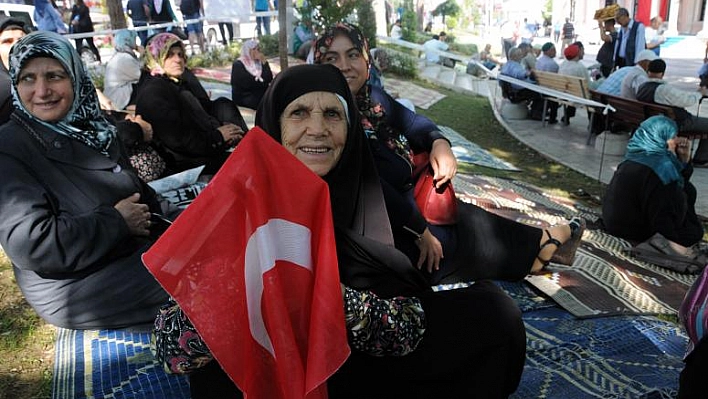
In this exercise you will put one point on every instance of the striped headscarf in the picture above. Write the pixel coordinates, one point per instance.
(84, 121)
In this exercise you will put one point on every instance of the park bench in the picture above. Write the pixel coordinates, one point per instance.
(629, 114)
(573, 85)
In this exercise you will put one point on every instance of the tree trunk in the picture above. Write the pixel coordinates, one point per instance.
(115, 13)
(283, 34)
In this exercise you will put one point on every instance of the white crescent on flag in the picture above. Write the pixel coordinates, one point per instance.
(278, 239)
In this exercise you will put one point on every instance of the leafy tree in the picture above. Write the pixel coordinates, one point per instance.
(367, 21)
(409, 22)
(449, 7)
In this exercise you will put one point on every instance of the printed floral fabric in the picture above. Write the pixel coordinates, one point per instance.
(383, 327)
(176, 344)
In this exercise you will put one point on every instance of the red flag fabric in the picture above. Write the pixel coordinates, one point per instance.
(252, 262)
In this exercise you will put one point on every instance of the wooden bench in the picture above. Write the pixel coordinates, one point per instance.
(572, 85)
(564, 83)
(629, 114)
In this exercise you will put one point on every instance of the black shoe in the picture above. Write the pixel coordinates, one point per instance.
(536, 118)
(552, 121)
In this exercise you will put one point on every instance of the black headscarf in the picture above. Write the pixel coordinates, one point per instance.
(367, 257)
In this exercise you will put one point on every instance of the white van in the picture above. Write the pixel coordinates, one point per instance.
(20, 11)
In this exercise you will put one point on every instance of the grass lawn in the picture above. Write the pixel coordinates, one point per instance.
(27, 343)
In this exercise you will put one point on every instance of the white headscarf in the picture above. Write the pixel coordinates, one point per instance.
(253, 67)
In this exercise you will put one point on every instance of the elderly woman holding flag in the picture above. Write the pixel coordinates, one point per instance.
(406, 340)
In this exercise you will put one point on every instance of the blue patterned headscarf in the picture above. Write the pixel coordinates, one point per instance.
(648, 147)
(84, 121)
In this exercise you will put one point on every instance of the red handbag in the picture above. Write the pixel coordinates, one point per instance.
(438, 206)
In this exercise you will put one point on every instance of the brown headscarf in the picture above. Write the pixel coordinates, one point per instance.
(367, 257)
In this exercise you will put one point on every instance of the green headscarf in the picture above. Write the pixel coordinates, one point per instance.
(84, 121)
(648, 147)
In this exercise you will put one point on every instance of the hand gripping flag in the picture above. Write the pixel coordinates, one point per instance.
(252, 262)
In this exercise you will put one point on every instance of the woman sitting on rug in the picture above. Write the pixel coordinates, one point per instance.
(74, 216)
(489, 246)
(190, 130)
(650, 191)
(123, 70)
(250, 76)
(473, 339)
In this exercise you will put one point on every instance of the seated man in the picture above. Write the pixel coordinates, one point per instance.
(547, 63)
(515, 93)
(573, 67)
(431, 48)
(303, 39)
(613, 84)
(637, 76)
(529, 59)
(656, 91)
(487, 59)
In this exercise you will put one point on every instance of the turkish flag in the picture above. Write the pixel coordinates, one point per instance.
(252, 262)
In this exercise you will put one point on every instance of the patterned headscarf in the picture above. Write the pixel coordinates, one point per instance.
(253, 67)
(373, 115)
(124, 41)
(157, 49)
(84, 121)
(648, 147)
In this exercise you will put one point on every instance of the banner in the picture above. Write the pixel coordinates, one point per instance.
(252, 262)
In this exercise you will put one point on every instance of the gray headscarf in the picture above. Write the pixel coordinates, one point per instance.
(84, 121)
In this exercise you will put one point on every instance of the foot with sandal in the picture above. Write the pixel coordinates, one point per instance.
(559, 244)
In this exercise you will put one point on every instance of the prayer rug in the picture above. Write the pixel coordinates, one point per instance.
(609, 357)
(420, 96)
(92, 364)
(603, 280)
(469, 152)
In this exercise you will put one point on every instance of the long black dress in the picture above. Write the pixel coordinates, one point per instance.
(474, 343)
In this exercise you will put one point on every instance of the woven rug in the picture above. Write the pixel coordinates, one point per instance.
(603, 280)
(420, 96)
(469, 152)
(609, 357)
(110, 364)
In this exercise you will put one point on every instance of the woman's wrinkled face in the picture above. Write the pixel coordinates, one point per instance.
(175, 62)
(314, 129)
(349, 59)
(45, 89)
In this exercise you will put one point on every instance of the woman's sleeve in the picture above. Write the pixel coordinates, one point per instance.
(383, 327)
(418, 130)
(402, 211)
(130, 133)
(37, 236)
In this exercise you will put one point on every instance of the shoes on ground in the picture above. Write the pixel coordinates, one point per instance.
(699, 164)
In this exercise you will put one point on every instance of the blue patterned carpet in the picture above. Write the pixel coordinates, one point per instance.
(607, 357)
(111, 364)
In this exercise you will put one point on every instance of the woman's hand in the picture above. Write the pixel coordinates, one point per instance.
(681, 146)
(430, 251)
(231, 133)
(443, 162)
(135, 214)
(144, 125)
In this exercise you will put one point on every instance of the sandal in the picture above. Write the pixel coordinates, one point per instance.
(565, 255)
(549, 241)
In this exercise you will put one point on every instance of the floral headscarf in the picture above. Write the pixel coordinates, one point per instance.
(157, 49)
(84, 121)
(253, 67)
(373, 115)
(648, 147)
(124, 41)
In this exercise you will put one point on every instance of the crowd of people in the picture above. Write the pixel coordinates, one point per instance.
(77, 212)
